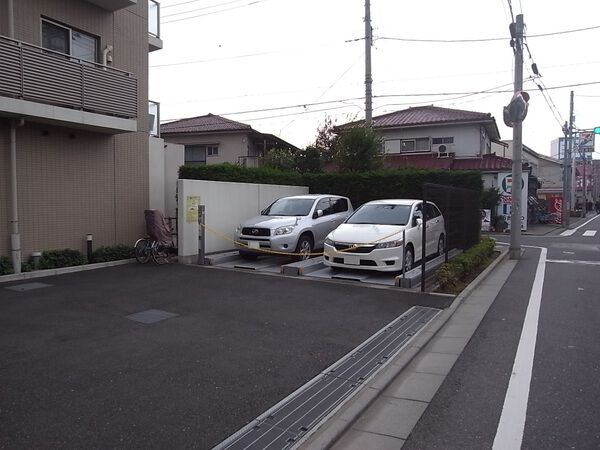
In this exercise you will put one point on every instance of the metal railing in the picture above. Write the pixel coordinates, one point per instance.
(37, 74)
(154, 118)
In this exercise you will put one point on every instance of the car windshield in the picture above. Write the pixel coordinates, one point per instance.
(381, 214)
(290, 207)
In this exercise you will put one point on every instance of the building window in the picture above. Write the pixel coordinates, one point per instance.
(69, 41)
(442, 140)
(212, 150)
(195, 154)
(415, 145)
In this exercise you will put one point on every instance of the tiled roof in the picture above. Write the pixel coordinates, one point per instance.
(426, 115)
(487, 163)
(209, 123)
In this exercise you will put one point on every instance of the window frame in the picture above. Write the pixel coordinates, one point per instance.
(415, 140)
(70, 31)
(442, 140)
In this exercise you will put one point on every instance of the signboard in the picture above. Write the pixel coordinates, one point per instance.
(555, 208)
(486, 219)
(505, 182)
(191, 209)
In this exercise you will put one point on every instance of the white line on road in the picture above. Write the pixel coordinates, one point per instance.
(571, 232)
(509, 434)
(590, 233)
(573, 261)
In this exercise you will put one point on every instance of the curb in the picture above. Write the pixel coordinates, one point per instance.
(62, 270)
(329, 434)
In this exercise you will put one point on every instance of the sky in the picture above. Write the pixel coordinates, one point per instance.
(283, 66)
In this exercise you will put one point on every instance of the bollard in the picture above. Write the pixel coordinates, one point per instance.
(88, 238)
(201, 236)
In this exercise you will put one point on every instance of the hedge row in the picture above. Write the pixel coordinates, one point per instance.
(54, 259)
(359, 187)
(463, 265)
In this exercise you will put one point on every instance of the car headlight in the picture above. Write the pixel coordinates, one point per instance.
(284, 230)
(389, 244)
(329, 242)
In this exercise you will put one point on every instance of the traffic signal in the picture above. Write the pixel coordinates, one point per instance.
(516, 111)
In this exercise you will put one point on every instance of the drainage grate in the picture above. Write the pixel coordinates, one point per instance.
(298, 415)
(27, 286)
(151, 316)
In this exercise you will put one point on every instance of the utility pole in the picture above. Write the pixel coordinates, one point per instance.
(572, 159)
(368, 77)
(566, 204)
(517, 165)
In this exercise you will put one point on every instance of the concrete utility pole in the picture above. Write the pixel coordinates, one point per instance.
(368, 78)
(566, 204)
(572, 160)
(517, 165)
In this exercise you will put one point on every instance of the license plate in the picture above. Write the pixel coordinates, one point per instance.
(352, 260)
(254, 244)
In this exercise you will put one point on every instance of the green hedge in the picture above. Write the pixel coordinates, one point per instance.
(116, 253)
(359, 187)
(5, 266)
(463, 265)
(53, 259)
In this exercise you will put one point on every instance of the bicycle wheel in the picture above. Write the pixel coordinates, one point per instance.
(142, 250)
(160, 254)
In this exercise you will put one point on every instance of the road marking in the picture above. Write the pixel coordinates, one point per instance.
(573, 261)
(509, 434)
(590, 233)
(569, 253)
(571, 232)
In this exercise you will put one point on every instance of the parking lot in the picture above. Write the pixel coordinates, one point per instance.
(77, 371)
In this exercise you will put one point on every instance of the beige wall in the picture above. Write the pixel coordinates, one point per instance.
(231, 145)
(72, 182)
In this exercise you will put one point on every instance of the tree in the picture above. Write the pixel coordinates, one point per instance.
(309, 160)
(326, 140)
(358, 149)
(281, 158)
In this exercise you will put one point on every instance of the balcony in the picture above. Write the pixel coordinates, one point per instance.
(154, 118)
(112, 5)
(154, 40)
(46, 86)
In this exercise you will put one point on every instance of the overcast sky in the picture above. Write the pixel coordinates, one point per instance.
(229, 57)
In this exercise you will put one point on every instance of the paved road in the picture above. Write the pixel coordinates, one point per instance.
(76, 373)
(560, 405)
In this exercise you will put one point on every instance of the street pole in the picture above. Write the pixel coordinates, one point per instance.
(572, 158)
(368, 77)
(566, 204)
(583, 157)
(517, 165)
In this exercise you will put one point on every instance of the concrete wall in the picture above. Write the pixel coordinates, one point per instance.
(226, 205)
(174, 158)
(467, 138)
(73, 182)
(156, 171)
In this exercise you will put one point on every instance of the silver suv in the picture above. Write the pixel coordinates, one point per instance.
(295, 225)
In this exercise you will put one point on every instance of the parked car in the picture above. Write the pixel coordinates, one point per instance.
(297, 225)
(371, 238)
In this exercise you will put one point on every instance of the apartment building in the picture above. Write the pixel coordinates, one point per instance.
(74, 122)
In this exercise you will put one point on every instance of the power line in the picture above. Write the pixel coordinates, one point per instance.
(512, 16)
(200, 9)
(444, 41)
(254, 2)
(179, 4)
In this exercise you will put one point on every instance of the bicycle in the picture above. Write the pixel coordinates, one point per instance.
(146, 248)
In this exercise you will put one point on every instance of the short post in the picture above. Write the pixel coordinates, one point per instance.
(403, 256)
(424, 238)
(201, 236)
(89, 241)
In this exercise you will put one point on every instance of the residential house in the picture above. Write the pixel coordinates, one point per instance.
(213, 139)
(74, 122)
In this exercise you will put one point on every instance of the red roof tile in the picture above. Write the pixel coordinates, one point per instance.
(424, 115)
(209, 123)
(487, 163)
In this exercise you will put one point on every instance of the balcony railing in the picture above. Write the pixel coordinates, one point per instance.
(40, 75)
(154, 40)
(154, 118)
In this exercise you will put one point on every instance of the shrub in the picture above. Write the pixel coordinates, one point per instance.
(5, 266)
(116, 253)
(463, 265)
(358, 149)
(52, 259)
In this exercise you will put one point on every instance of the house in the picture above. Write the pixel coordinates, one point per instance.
(212, 139)
(74, 122)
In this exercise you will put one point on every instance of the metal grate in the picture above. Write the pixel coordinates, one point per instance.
(297, 416)
(151, 316)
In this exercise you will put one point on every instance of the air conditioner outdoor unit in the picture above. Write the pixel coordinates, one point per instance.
(442, 150)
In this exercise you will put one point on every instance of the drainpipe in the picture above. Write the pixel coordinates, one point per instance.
(15, 237)
(11, 19)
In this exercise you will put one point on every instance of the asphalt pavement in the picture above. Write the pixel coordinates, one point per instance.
(77, 372)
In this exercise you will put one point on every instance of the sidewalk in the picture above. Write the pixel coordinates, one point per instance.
(384, 413)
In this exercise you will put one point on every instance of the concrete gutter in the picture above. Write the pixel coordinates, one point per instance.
(341, 423)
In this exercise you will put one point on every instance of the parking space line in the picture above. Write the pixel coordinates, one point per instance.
(590, 233)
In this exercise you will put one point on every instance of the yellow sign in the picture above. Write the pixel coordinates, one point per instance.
(191, 209)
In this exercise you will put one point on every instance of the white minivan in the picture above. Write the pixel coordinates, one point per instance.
(372, 237)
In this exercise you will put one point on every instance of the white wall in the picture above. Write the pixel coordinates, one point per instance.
(226, 205)
(467, 138)
(231, 145)
(156, 168)
(174, 155)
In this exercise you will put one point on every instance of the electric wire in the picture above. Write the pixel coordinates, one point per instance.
(200, 9)
(252, 3)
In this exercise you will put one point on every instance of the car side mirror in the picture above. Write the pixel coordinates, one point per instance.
(262, 212)
(417, 221)
(318, 213)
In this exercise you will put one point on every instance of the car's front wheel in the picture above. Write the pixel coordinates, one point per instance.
(304, 247)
